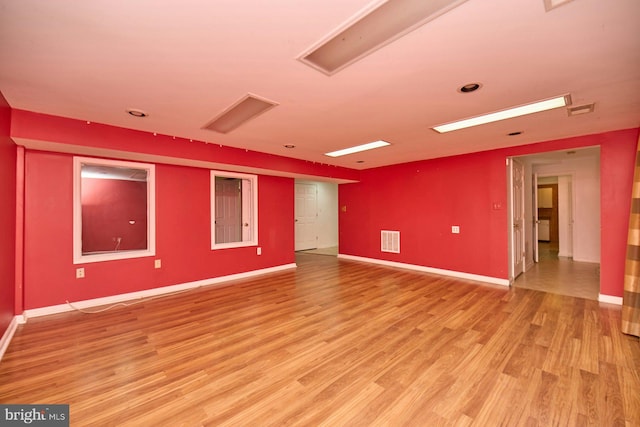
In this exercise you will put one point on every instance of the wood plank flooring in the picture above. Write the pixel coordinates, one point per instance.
(334, 343)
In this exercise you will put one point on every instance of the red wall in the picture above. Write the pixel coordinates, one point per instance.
(43, 127)
(421, 199)
(424, 199)
(182, 234)
(617, 164)
(7, 217)
(108, 206)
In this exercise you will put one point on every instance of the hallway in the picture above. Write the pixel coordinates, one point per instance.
(561, 275)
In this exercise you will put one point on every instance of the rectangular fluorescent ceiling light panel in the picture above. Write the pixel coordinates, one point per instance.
(358, 148)
(523, 110)
(372, 29)
(245, 109)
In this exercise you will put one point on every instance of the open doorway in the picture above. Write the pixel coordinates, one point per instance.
(547, 211)
(562, 222)
(553, 206)
(316, 217)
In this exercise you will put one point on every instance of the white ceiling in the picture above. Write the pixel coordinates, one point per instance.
(184, 62)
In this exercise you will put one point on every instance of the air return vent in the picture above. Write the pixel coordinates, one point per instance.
(390, 241)
(245, 109)
(581, 109)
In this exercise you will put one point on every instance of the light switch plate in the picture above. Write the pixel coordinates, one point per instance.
(455, 229)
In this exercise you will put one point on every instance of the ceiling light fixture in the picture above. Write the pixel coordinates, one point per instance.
(522, 110)
(516, 133)
(371, 29)
(358, 148)
(136, 113)
(289, 146)
(470, 87)
(246, 108)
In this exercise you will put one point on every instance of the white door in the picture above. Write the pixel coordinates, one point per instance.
(536, 221)
(517, 206)
(306, 213)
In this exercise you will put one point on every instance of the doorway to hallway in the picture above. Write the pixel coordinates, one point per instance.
(316, 216)
(570, 263)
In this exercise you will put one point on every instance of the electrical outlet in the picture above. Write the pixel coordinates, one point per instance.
(455, 229)
(80, 273)
(157, 263)
(259, 250)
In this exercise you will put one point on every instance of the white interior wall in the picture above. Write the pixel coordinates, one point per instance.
(565, 220)
(327, 222)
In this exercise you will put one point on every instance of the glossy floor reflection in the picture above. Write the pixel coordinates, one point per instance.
(560, 275)
(332, 251)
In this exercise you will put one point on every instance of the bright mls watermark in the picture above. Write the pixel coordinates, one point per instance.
(34, 415)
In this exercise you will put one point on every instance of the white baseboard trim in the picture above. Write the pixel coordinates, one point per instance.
(8, 334)
(589, 260)
(114, 299)
(442, 272)
(610, 299)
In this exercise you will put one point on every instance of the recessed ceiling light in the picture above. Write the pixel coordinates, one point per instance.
(522, 110)
(469, 87)
(136, 113)
(358, 148)
(359, 161)
(515, 133)
(372, 29)
(289, 146)
(243, 110)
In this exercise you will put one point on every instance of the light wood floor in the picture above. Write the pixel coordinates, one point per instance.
(334, 343)
(561, 275)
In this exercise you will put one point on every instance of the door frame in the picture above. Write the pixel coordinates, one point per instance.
(510, 219)
(300, 246)
(536, 220)
(570, 200)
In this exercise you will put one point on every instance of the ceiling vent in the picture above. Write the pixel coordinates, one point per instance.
(581, 109)
(372, 29)
(245, 109)
(552, 4)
